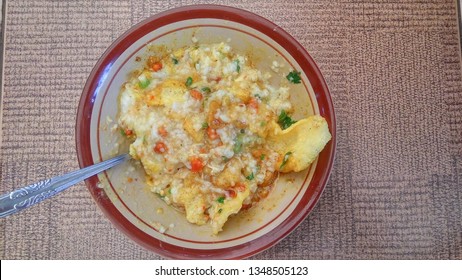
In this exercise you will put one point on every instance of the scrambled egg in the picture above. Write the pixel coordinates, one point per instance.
(206, 127)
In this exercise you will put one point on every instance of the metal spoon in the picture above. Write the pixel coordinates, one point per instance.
(20, 199)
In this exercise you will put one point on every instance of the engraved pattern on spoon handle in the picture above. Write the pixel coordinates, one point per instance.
(20, 199)
(27, 197)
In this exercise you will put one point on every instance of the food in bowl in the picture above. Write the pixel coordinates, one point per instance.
(211, 132)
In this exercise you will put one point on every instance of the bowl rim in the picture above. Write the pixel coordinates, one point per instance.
(308, 66)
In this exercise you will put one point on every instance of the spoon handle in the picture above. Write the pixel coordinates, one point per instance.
(20, 199)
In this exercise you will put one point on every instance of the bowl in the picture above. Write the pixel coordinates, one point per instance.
(121, 192)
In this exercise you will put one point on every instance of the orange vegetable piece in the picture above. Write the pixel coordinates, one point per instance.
(253, 103)
(160, 147)
(156, 66)
(196, 94)
(162, 131)
(128, 132)
(212, 133)
(231, 193)
(196, 164)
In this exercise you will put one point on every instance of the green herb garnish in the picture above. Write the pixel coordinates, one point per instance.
(122, 131)
(262, 157)
(262, 123)
(294, 77)
(250, 177)
(175, 61)
(205, 125)
(238, 67)
(221, 199)
(189, 81)
(285, 159)
(206, 89)
(225, 159)
(284, 120)
(220, 210)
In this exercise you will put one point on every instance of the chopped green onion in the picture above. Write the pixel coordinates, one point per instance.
(262, 157)
(144, 83)
(294, 77)
(122, 131)
(284, 120)
(189, 81)
(221, 199)
(205, 125)
(206, 89)
(220, 210)
(175, 61)
(285, 159)
(250, 177)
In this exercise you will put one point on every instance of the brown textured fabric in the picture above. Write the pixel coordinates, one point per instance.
(393, 68)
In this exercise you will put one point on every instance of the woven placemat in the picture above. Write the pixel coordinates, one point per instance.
(394, 71)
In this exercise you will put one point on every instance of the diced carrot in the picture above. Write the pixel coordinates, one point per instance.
(196, 94)
(156, 66)
(231, 193)
(212, 133)
(196, 164)
(160, 147)
(162, 131)
(128, 132)
(253, 103)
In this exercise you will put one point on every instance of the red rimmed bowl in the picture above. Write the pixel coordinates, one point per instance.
(139, 213)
